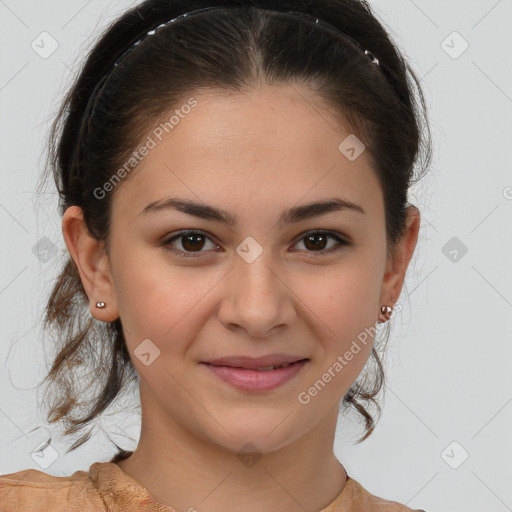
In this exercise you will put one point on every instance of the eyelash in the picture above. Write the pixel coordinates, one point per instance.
(184, 254)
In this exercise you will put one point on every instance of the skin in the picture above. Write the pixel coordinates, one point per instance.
(254, 155)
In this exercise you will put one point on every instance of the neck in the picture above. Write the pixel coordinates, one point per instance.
(187, 473)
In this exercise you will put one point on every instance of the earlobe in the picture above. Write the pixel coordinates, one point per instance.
(92, 263)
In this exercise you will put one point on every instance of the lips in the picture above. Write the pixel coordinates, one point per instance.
(254, 376)
(264, 363)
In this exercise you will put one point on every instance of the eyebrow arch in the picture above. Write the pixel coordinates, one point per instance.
(293, 215)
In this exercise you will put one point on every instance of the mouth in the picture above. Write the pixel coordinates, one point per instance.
(262, 363)
(256, 374)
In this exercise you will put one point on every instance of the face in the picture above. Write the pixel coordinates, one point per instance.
(266, 284)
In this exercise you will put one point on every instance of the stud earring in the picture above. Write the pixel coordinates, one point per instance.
(100, 304)
(385, 313)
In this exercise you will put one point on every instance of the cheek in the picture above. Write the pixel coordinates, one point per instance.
(161, 302)
(343, 308)
(342, 300)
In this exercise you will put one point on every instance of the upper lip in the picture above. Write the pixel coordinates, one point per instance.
(252, 363)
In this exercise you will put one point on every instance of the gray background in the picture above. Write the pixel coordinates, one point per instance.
(449, 389)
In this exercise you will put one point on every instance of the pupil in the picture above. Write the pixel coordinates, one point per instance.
(190, 245)
(188, 240)
(316, 245)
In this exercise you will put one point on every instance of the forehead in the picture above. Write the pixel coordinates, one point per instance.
(251, 150)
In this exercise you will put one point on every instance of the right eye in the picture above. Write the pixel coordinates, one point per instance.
(190, 241)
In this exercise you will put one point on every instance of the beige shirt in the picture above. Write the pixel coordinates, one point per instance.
(106, 488)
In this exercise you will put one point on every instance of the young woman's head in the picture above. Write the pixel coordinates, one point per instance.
(235, 184)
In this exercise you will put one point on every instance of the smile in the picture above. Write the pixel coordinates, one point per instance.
(263, 378)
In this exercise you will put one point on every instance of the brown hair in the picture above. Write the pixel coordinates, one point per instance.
(102, 120)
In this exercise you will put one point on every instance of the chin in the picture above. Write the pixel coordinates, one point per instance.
(255, 433)
(256, 444)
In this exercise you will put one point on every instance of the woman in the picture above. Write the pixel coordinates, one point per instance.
(233, 180)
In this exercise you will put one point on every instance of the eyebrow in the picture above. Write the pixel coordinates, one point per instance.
(293, 215)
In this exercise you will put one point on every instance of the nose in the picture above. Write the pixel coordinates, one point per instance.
(256, 297)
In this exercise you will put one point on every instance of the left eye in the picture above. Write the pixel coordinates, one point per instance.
(193, 241)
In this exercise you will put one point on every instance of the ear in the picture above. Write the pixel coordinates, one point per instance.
(92, 262)
(399, 261)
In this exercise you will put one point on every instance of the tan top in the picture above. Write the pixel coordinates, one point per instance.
(106, 488)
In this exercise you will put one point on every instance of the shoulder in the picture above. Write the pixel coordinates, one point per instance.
(355, 497)
(374, 503)
(36, 491)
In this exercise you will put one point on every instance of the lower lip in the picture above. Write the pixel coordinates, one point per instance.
(254, 380)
